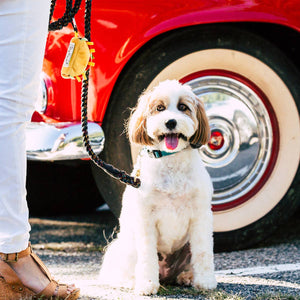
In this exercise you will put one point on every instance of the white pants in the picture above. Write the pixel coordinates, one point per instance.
(23, 32)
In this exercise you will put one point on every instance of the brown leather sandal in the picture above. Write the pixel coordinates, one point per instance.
(11, 288)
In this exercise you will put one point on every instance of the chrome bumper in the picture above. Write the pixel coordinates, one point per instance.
(61, 141)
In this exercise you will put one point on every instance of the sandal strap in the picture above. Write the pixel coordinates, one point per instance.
(41, 265)
(62, 291)
(9, 274)
(11, 277)
(13, 257)
(49, 291)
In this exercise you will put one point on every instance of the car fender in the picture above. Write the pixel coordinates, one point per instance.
(120, 30)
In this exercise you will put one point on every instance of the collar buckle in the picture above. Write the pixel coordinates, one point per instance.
(158, 153)
(154, 153)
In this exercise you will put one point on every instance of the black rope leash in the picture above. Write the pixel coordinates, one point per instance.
(67, 18)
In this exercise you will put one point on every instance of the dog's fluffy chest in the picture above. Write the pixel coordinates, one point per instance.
(172, 224)
(171, 174)
(173, 190)
(170, 191)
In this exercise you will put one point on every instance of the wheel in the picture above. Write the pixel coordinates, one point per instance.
(250, 95)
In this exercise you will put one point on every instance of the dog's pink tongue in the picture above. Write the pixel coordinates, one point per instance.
(171, 141)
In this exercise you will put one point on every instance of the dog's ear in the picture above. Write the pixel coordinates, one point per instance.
(137, 128)
(202, 134)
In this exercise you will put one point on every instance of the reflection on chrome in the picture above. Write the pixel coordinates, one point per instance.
(239, 118)
(61, 141)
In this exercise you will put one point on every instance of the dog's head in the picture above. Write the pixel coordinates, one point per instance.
(169, 117)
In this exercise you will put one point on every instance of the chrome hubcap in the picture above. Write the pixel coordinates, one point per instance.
(239, 149)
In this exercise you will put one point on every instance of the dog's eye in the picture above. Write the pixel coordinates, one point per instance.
(160, 107)
(182, 107)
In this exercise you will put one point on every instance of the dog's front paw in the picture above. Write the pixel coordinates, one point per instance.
(146, 287)
(208, 282)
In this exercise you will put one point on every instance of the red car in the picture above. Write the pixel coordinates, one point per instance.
(241, 57)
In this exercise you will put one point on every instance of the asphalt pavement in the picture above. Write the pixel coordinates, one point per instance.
(72, 247)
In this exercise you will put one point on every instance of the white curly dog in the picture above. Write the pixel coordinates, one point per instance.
(166, 229)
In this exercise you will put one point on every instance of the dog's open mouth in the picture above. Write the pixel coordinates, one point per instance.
(172, 139)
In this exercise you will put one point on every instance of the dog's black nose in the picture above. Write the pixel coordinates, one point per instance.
(171, 124)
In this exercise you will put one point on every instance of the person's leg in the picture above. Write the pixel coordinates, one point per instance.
(23, 32)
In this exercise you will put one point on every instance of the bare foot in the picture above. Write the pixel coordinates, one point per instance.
(32, 276)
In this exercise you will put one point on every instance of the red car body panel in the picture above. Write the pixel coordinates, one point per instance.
(120, 28)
